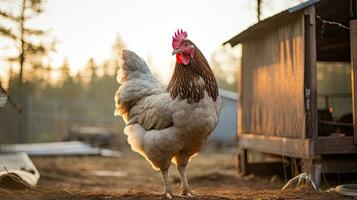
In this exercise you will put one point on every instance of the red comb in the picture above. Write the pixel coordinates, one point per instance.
(179, 36)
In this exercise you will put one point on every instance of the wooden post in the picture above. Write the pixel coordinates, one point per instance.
(243, 161)
(312, 167)
(241, 157)
(353, 40)
(310, 73)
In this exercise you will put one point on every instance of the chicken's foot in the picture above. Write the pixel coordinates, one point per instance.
(167, 188)
(185, 190)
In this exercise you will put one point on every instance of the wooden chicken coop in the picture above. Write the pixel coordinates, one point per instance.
(298, 87)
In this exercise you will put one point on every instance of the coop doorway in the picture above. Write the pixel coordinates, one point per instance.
(334, 67)
(334, 99)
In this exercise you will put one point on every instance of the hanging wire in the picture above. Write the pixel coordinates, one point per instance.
(331, 22)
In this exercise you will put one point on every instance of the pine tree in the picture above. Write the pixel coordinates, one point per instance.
(65, 71)
(91, 71)
(22, 36)
(259, 10)
(117, 49)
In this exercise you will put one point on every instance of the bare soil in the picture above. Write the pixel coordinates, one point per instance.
(211, 175)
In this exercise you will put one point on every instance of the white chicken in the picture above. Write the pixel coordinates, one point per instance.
(168, 123)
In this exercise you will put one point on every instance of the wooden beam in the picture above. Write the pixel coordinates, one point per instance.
(310, 73)
(339, 164)
(334, 145)
(353, 39)
(298, 148)
(292, 147)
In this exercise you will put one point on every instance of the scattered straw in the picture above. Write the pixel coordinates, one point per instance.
(20, 184)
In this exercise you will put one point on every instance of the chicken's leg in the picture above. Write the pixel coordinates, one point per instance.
(167, 188)
(185, 190)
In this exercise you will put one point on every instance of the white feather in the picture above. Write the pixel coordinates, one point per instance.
(158, 127)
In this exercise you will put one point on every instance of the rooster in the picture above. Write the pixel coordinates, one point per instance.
(168, 123)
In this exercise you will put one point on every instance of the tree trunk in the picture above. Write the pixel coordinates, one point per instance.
(259, 9)
(22, 41)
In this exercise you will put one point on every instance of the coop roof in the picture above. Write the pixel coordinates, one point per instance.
(268, 23)
(228, 94)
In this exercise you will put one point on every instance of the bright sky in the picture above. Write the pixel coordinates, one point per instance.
(87, 28)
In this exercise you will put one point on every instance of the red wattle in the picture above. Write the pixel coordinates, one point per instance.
(179, 58)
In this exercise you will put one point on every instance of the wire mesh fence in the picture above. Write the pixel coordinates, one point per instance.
(10, 120)
(50, 120)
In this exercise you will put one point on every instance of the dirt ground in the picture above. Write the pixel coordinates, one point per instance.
(211, 176)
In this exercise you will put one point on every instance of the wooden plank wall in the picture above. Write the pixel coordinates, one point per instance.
(273, 82)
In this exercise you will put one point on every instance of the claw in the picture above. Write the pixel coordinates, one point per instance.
(168, 195)
(187, 193)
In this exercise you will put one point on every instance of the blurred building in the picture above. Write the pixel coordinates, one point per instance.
(226, 129)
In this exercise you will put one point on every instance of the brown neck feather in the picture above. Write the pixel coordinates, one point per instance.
(185, 81)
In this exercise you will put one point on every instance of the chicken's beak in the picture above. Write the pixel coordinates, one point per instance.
(176, 51)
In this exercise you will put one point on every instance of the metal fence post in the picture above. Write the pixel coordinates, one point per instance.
(55, 117)
(29, 118)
